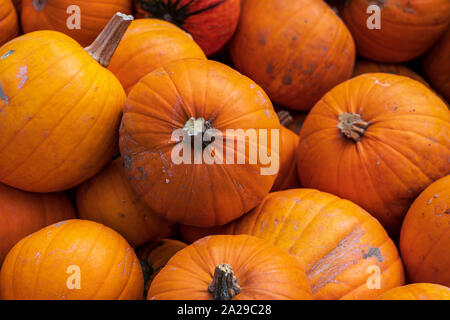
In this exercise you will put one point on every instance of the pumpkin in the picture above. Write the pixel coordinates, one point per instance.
(22, 213)
(417, 291)
(155, 255)
(72, 260)
(17, 4)
(109, 199)
(230, 268)
(207, 185)
(341, 247)
(436, 65)
(366, 66)
(298, 59)
(57, 15)
(378, 140)
(210, 22)
(407, 27)
(9, 27)
(147, 45)
(425, 235)
(60, 108)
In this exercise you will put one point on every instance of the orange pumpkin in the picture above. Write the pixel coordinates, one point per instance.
(147, 45)
(231, 267)
(198, 98)
(339, 245)
(22, 213)
(436, 66)
(61, 15)
(377, 140)
(155, 255)
(211, 22)
(297, 59)
(72, 260)
(417, 291)
(60, 108)
(425, 235)
(9, 27)
(109, 199)
(407, 27)
(366, 66)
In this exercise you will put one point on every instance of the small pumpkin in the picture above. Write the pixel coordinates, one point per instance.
(425, 235)
(408, 28)
(22, 213)
(109, 199)
(198, 98)
(9, 26)
(339, 245)
(60, 108)
(366, 66)
(155, 255)
(436, 65)
(57, 15)
(297, 59)
(230, 268)
(417, 291)
(210, 22)
(378, 140)
(102, 264)
(147, 45)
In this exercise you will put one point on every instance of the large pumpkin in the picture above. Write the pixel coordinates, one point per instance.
(109, 199)
(51, 263)
(230, 267)
(60, 109)
(407, 27)
(378, 140)
(59, 15)
(417, 291)
(9, 27)
(436, 66)
(296, 50)
(22, 213)
(147, 45)
(342, 248)
(210, 22)
(207, 185)
(425, 236)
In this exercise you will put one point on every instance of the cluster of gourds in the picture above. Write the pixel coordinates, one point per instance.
(92, 205)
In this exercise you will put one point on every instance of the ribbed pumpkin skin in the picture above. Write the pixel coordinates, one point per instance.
(287, 176)
(417, 291)
(165, 100)
(436, 66)
(51, 15)
(36, 268)
(109, 199)
(22, 213)
(9, 27)
(425, 236)
(366, 66)
(189, 273)
(295, 50)
(334, 240)
(408, 27)
(147, 45)
(60, 113)
(404, 149)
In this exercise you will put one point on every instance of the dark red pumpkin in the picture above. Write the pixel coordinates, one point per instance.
(9, 27)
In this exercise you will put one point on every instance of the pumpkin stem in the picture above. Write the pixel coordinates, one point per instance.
(39, 4)
(352, 126)
(224, 285)
(285, 117)
(103, 48)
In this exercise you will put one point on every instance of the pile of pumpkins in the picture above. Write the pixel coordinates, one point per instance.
(92, 205)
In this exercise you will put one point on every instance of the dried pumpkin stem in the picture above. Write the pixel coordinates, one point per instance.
(224, 285)
(285, 117)
(352, 126)
(103, 48)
